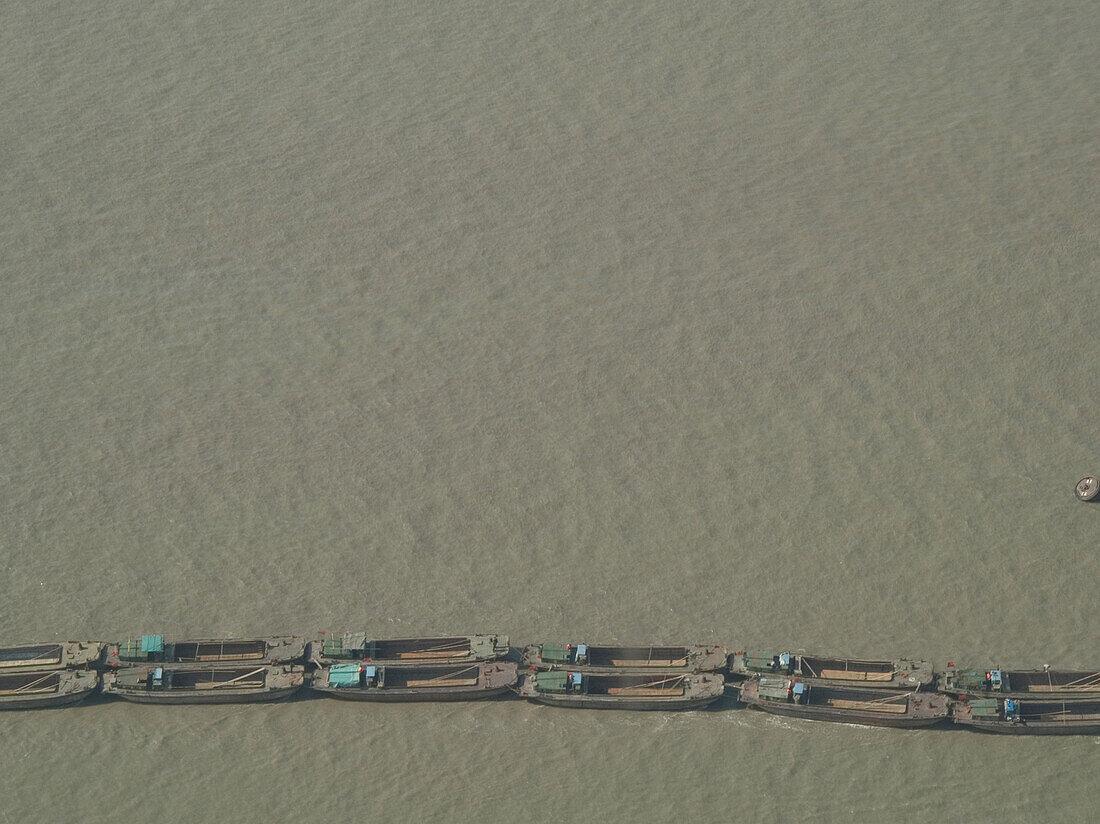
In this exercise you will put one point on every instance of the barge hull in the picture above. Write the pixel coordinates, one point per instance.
(38, 702)
(685, 659)
(52, 656)
(832, 671)
(1033, 728)
(407, 696)
(205, 697)
(811, 713)
(41, 690)
(598, 702)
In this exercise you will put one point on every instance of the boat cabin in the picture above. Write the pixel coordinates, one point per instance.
(763, 661)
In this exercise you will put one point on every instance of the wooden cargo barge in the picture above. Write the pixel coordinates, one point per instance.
(1029, 716)
(1021, 683)
(846, 704)
(424, 682)
(54, 656)
(623, 690)
(356, 646)
(905, 673)
(285, 649)
(50, 688)
(216, 684)
(594, 659)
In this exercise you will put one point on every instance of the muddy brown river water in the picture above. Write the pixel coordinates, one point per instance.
(754, 324)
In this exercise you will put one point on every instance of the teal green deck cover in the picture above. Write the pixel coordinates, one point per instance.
(555, 652)
(773, 688)
(354, 641)
(346, 646)
(758, 660)
(130, 650)
(344, 675)
(551, 681)
(983, 707)
(970, 678)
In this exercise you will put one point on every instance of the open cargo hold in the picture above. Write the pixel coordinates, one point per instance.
(424, 682)
(815, 700)
(598, 658)
(846, 669)
(903, 673)
(624, 690)
(1021, 683)
(356, 646)
(155, 649)
(1027, 716)
(217, 684)
(71, 654)
(48, 688)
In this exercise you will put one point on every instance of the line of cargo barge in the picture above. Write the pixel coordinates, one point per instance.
(902, 693)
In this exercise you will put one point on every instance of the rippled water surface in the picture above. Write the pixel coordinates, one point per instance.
(737, 323)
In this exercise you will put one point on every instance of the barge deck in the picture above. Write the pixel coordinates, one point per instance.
(223, 684)
(594, 659)
(850, 705)
(48, 688)
(424, 682)
(622, 691)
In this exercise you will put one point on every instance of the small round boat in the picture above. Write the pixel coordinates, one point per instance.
(1088, 488)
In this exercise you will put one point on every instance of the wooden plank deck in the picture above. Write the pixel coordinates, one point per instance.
(866, 706)
(856, 675)
(447, 682)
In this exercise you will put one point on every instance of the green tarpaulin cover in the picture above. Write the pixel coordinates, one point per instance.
(344, 675)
